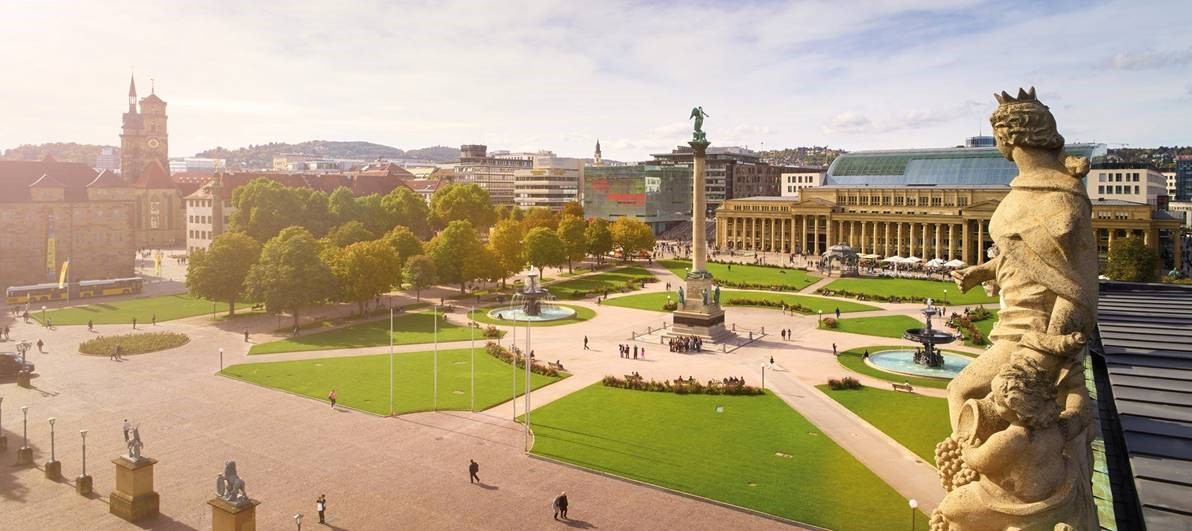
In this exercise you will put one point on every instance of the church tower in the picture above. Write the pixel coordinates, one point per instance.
(599, 158)
(143, 138)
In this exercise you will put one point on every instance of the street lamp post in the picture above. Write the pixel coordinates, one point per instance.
(435, 315)
(43, 315)
(529, 363)
(25, 453)
(83, 482)
(472, 347)
(390, 361)
(53, 453)
(821, 317)
(763, 376)
(945, 296)
(221, 359)
(914, 508)
(53, 467)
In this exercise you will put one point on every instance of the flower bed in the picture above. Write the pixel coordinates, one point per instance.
(682, 387)
(964, 323)
(848, 382)
(133, 343)
(869, 297)
(769, 303)
(537, 367)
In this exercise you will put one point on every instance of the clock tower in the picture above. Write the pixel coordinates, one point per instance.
(143, 138)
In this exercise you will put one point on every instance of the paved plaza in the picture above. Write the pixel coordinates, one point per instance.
(401, 472)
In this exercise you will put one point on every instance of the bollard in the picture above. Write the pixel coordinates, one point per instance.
(763, 330)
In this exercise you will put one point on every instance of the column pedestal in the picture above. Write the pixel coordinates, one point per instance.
(83, 485)
(3, 443)
(54, 470)
(23, 379)
(228, 517)
(133, 498)
(24, 456)
(694, 318)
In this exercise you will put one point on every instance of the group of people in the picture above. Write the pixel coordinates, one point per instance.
(686, 344)
(626, 351)
(785, 333)
(733, 381)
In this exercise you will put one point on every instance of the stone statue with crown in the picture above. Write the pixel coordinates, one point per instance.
(1019, 453)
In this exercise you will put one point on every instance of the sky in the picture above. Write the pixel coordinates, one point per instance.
(559, 75)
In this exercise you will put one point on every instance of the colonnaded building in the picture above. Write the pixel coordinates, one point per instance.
(929, 203)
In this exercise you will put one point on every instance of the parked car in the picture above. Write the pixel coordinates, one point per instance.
(11, 364)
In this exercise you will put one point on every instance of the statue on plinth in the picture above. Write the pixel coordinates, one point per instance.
(1018, 456)
(229, 487)
(132, 439)
(716, 296)
(682, 299)
(698, 134)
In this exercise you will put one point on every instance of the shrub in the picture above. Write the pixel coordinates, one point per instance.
(848, 382)
(670, 306)
(830, 322)
(133, 343)
(682, 387)
(492, 332)
(537, 367)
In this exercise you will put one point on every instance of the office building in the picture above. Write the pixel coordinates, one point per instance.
(802, 178)
(108, 159)
(658, 195)
(551, 183)
(1183, 178)
(731, 172)
(492, 171)
(1127, 181)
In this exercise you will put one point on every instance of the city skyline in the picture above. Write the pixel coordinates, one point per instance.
(558, 76)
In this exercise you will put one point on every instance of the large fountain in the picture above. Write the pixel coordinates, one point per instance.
(926, 361)
(532, 303)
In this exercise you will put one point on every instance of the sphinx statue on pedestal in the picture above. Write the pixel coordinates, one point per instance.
(1019, 453)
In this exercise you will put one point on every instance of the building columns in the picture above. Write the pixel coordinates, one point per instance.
(951, 241)
(980, 241)
(828, 237)
(964, 243)
(898, 245)
(939, 233)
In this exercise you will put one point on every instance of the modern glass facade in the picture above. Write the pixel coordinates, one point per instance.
(1183, 178)
(933, 167)
(658, 195)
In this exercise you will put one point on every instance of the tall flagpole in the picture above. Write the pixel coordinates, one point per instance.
(435, 315)
(391, 360)
(513, 351)
(472, 338)
(529, 362)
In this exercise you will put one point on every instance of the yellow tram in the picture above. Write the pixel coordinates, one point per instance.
(78, 290)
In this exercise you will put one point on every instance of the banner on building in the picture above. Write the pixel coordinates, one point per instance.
(62, 275)
(51, 257)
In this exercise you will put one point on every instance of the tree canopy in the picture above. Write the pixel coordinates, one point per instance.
(544, 248)
(290, 274)
(218, 273)
(1130, 260)
(462, 202)
(349, 233)
(573, 208)
(419, 273)
(506, 243)
(455, 251)
(599, 238)
(365, 270)
(407, 209)
(404, 242)
(571, 233)
(632, 236)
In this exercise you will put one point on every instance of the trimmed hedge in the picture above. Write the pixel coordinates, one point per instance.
(537, 367)
(682, 387)
(869, 297)
(142, 343)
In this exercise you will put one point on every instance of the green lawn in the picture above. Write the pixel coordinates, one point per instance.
(882, 326)
(917, 422)
(791, 279)
(655, 300)
(911, 288)
(408, 329)
(852, 360)
(165, 307)
(577, 288)
(362, 382)
(758, 453)
(582, 314)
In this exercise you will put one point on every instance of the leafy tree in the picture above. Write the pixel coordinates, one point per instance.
(265, 207)
(407, 209)
(544, 248)
(341, 204)
(599, 238)
(349, 233)
(404, 243)
(462, 202)
(1130, 260)
(419, 272)
(571, 233)
(218, 273)
(506, 243)
(540, 217)
(573, 208)
(455, 251)
(488, 267)
(365, 270)
(632, 236)
(290, 274)
(315, 216)
(504, 212)
(373, 214)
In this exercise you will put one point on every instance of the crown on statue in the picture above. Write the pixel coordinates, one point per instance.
(1023, 97)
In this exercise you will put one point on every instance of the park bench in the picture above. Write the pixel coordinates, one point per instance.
(903, 387)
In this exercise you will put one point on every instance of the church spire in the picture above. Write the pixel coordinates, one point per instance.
(598, 157)
(132, 94)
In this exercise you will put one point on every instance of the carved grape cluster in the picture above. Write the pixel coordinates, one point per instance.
(938, 521)
(953, 471)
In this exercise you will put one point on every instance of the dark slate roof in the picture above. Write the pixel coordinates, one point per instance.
(1143, 367)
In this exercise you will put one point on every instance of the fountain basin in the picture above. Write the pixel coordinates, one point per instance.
(923, 335)
(547, 312)
(902, 361)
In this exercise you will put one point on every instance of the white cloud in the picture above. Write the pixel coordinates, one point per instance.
(1145, 59)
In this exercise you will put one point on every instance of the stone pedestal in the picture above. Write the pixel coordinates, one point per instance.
(83, 485)
(133, 498)
(24, 456)
(694, 318)
(23, 379)
(54, 470)
(229, 517)
(3, 443)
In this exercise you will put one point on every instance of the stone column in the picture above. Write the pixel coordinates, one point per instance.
(827, 236)
(964, 243)
(699, 205)
(924, 243)
(852, 233)
(980, 241)
(939, 233)
(898, 244)
(910, 239)
(864, 242)
(951, 241)
(886, 239)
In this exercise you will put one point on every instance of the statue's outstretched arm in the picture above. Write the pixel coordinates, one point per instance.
(969, 277)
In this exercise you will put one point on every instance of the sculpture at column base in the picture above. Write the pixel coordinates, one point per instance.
(53, 470)
(1019, 453)
(83, 485)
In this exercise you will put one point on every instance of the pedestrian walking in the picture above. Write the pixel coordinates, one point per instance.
(112, 355)
(833, 349)
(321, 507)
(331, 398)
(246, 335)
(119, 352)
(586, 343)
(635, 352)
(154, 319)
(473, 468)
(838, 312)
(50, 323)
(39, 345)
(90, 325)
(134, 323)
(560, 505)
